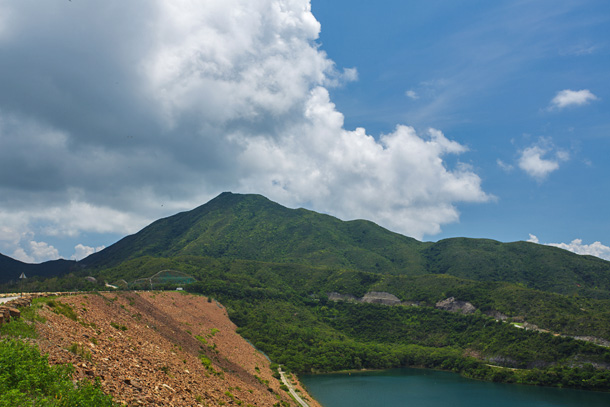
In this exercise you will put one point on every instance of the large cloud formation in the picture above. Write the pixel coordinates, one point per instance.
(113, 114)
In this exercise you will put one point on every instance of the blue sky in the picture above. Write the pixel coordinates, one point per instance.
(433, 119)
(485, 73)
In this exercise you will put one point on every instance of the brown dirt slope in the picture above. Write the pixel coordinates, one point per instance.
(160, 349)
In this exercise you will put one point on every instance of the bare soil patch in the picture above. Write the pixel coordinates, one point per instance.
(160, 349)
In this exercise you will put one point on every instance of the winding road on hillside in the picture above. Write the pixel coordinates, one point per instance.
(294, 394)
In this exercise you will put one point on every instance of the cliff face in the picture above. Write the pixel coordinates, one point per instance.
(159, 349)
(453, 305)
(373, 297)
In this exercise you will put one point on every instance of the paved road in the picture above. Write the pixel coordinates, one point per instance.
(291, 389)
(6, 299)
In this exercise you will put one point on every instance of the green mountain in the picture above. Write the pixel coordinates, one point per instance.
(274, 269)
(532, 265)
(251, 227)
(11, 269)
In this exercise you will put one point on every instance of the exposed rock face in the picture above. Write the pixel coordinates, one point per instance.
(7, 313)
(160, 349)
(342, 297)
(14, 312)
(374, 297)
(378, 297)
(452, 305)
(502, 361)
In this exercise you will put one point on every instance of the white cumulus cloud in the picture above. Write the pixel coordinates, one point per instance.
(36, 252)
(399, 181)
(20, 254)
(146, 108)
(567, 97)
(541, 159)
(596, 249)
(81, 251)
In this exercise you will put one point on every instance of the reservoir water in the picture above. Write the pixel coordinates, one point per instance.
(429, 388)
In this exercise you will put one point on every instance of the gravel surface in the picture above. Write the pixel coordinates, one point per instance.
(144, 350)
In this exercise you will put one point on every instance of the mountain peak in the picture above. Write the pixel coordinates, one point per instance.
(250, 227)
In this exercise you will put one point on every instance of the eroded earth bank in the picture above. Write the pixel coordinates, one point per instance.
(159, 349)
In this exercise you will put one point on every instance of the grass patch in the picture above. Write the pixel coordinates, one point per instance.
(31, 313)
(18, 328)
(207, 363)
(26, 379)
(261, 380)
(62, 309)
(118, 326)
(80, 351)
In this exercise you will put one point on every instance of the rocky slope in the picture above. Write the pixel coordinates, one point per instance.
(159, 349)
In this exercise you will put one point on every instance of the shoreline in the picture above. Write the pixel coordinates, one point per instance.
(363, 371)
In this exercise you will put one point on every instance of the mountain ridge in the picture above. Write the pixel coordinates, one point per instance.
(252, 227)
(11, 269)
(274, 267)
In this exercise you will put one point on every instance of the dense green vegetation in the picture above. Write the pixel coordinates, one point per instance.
(314, 335)
(570, 315)
(11, 269)
(274, 267)
(250, 227)
(535, 266)
(27, 379)
(285, 312)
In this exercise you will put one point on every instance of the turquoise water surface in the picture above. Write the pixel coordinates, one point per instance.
(429, 388)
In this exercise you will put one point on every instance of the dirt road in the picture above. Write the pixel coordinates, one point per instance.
(291, 389)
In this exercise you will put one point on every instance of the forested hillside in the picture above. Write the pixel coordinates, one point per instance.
(11, 269)
(250, 227)
(274, 269)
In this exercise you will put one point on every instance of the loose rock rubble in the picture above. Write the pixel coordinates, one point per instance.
(453, 305)
(9, 309)
(160, 349)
